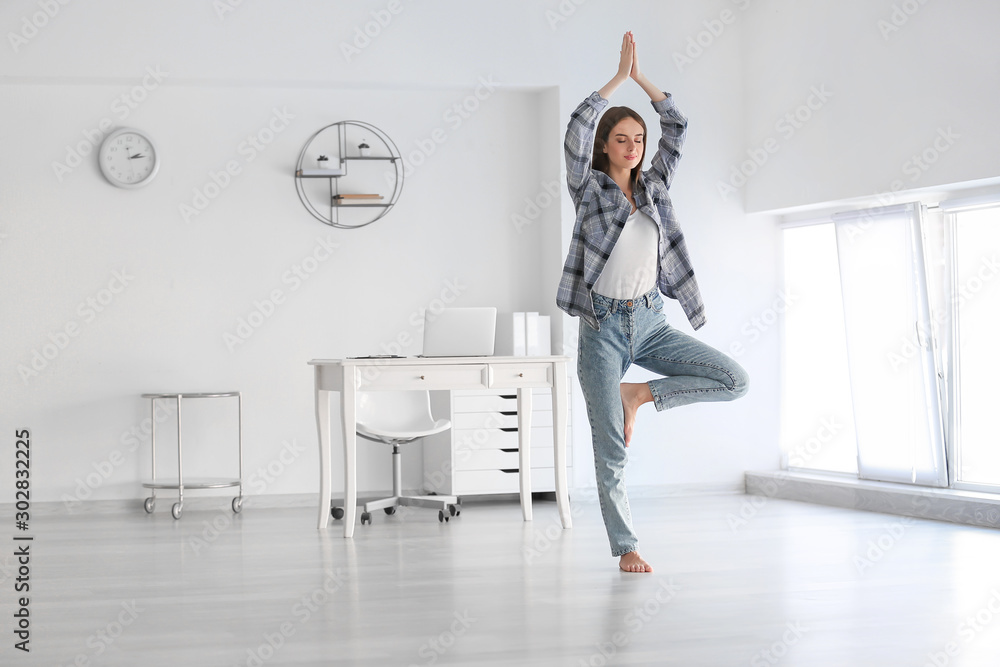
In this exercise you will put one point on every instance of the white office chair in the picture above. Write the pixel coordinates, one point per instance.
(394, 418)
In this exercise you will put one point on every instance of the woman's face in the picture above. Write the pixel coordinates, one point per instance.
(625, 144)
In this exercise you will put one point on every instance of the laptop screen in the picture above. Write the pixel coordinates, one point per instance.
(460, 332)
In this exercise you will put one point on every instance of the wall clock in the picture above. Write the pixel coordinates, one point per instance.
(128, 158)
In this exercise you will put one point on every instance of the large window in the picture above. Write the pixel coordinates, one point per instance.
(817, 421)
(975, 310)
(890, 357)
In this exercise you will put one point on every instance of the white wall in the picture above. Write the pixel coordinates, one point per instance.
(910, 98)
(62, 240)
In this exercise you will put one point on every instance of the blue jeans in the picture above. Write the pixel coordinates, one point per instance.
(636, 332)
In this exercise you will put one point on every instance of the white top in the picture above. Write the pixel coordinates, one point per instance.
(631, 269)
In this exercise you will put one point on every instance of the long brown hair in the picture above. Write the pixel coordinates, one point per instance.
(612, 117)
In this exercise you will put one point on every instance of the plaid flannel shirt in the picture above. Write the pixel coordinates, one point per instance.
(602, 209)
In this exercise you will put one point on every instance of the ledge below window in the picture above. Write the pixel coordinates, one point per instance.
(966, 507)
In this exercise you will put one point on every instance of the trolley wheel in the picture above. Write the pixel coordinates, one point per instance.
(442, 517)
(390, 510)
(453, 510)
(237, 505)
(149, 505)
(366, 517)
(175, 510)
(337, 512)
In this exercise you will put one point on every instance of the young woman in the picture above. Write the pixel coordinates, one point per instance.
(626, 249)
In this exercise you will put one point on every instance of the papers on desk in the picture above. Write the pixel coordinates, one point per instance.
(524, 334)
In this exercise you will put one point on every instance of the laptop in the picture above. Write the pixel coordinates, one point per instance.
(460, 332)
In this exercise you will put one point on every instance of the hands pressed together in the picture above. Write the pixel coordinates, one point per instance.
(628, 68)
(628, 65)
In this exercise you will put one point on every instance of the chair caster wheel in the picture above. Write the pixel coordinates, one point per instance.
(455, 510)
(149, 505)
(237, 505)
(390, 510)
(442, 517)
(175, 510)
(366, 517)
(337, 512)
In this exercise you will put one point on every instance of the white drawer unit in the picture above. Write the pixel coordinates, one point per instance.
(479, 455)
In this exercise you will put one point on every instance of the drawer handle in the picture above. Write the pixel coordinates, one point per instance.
(509, 429)
(520, 375)
(510, 470)
(502, 449)
(508, 413)
(422, 377)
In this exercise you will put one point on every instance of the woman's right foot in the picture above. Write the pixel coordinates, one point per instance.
(634, 394)
(633, 562)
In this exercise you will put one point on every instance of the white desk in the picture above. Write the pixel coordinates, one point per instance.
(348, 376)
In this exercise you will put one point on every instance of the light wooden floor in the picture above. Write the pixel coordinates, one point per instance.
(739, 581)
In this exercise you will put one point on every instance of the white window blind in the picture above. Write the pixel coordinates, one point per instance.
(891, 361)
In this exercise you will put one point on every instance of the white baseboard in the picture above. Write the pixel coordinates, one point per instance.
(197, 503)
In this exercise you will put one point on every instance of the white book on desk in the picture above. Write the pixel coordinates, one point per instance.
(518, 333)
(544, 335)
(531, 343)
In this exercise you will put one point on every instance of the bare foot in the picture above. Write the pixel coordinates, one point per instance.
(633, 562)
(633, 394)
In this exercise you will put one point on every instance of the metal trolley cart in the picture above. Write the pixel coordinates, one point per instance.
(180, 485)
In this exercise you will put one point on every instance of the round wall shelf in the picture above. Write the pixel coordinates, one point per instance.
(361, 179)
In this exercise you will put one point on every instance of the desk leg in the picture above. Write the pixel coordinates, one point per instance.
(560, 417)
(349, 418)
(524, 449)
(323, 428)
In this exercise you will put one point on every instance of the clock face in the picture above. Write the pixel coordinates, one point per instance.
(128, 158)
